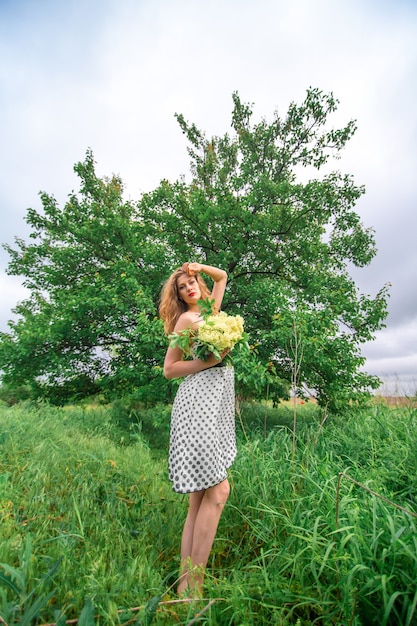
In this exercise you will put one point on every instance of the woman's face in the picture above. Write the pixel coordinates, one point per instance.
(188, 289)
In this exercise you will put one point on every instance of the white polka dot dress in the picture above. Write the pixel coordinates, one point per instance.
(202, 439)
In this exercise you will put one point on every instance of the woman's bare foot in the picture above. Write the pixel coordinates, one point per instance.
(191, 583)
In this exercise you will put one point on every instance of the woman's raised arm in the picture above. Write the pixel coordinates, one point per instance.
(219, 277)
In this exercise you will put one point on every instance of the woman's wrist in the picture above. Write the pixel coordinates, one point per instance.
(215, 273)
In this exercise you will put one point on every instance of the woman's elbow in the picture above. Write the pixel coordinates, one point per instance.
(168, 372)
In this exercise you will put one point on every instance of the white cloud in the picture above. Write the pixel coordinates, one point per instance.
(12, 292)
(393, 358)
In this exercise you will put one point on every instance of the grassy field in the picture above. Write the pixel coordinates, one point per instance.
(321, 534)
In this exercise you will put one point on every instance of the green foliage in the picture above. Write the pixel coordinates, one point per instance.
(90, 529)
(27, 603)
(91, 322)
(131, 419)
(95, 267)
(12, 395)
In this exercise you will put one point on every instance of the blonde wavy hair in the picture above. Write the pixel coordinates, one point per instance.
(171, 305)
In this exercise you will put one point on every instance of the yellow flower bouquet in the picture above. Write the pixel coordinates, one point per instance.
(219, 332)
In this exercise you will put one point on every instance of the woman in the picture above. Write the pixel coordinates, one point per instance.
(202, 441)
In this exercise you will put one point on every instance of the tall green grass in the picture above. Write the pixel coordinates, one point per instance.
(90, 528)
(71, 495)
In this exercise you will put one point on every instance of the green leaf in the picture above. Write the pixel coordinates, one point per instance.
(206, 307)
(8, 582)
(34, 609)
(87, 614)
(15, 574)
(150, 610)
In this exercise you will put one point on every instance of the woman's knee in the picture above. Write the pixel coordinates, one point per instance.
(219, 493)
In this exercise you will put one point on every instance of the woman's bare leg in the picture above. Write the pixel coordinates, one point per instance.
(187, 538)
(199, 532)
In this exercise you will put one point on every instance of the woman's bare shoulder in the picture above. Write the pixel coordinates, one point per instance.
(186, 320)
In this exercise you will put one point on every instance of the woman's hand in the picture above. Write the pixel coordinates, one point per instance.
(191, 268)
(213, 361)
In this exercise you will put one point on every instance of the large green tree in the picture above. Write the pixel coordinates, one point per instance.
(90, 323)
(286, 244)
(95, 267)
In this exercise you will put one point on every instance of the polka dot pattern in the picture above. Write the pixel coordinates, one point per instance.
(202, 438)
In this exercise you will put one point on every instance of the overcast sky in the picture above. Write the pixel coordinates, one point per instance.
(110, 74)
